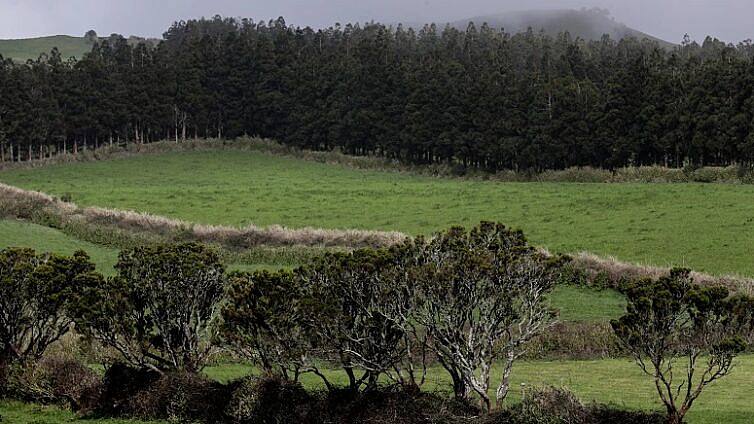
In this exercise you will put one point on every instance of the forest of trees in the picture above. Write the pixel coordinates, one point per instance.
(477, 98)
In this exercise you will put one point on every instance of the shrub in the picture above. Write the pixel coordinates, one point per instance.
(175, 396)
(394, 404)
(672, 320)
(159, 311)
(268, 400)
(357, 307)
(262, 323)
(56, 379)
(553, 405)
(576, 175)
(575, 340)
(481, 298)
(120, 384)
(36, 294)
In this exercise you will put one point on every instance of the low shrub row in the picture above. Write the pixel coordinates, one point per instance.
(733, 174)
(185, 397)
(464, 300)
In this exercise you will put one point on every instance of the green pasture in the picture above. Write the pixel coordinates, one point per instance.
(30, 48)
(43, 239)
(709, 227)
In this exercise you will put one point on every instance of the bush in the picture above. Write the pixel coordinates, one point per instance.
(120, 384)
(393, 405)
(575, 340)
(160, 310)
(58, 380)
(268, 400)
(576, 175)
(554, 405)
(175, 396)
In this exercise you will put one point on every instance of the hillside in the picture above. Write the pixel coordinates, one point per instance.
(589, 24)
(21, 50)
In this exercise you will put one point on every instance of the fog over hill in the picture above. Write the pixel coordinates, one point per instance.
(728, 20)
(589, 24)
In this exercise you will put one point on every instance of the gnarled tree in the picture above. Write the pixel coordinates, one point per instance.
(159, 311)
(35, 293)
(357, 308)
(682, 335)
(262, 322)
(481, 297)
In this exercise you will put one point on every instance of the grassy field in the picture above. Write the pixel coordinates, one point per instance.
(43, 239)
(30, 48)
(615, 381)
(707, 227)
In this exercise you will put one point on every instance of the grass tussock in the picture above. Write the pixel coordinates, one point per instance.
(43, 209)
(608, 271)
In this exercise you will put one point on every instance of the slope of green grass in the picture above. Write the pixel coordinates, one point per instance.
(707, 227)
(30, 48)
(43, 239)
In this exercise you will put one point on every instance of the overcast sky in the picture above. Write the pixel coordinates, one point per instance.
(729, 20)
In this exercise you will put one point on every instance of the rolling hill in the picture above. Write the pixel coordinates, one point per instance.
(20, 50)
(588, 24)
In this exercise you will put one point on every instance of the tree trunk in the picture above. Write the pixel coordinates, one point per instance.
(505, 382)
(351, 378)
(675, 418)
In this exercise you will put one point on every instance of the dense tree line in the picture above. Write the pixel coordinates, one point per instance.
(478, 98)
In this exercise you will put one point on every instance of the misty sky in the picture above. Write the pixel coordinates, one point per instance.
(729, 20)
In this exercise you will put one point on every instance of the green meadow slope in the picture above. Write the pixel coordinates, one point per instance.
(30, 48)
(709, 227)
(44, 239)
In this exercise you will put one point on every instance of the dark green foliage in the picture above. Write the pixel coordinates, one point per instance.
(263, 322)
(36, 292)
(671, 321)
(159, 310)
(357, 309)
(481, 298)
(478, 99)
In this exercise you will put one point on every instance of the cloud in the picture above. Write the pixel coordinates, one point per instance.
(667, 19)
